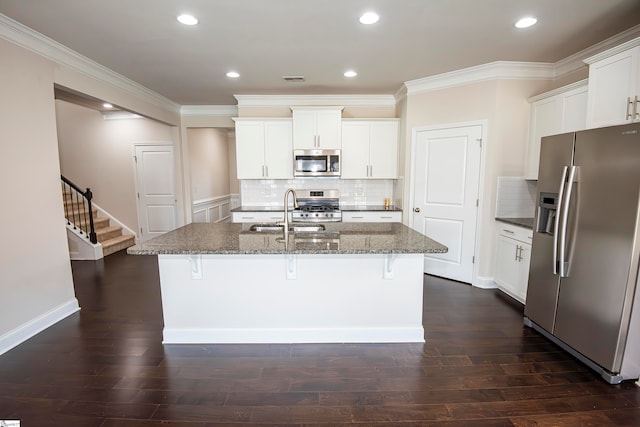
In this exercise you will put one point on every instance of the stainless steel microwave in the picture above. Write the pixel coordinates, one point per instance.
(316, 162)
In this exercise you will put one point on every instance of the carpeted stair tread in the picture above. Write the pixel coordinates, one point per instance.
(106, 233)
(117, 244)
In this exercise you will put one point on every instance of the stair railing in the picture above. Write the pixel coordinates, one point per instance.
(79, 210)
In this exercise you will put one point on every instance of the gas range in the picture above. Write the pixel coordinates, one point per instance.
(317, 206)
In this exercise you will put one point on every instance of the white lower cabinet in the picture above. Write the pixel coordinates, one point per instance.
(512, 260)
(256, 217)
(381, 216)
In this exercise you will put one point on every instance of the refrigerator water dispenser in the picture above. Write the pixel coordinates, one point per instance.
(547, 207)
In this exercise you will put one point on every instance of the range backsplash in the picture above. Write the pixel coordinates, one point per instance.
(515, 197)
(352, 191)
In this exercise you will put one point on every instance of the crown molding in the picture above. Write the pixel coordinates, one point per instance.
(499, 70)
(598, 50)
(613, 51)
(209, 110)
(564, 89)
(315, 100)
(400, 94)
(23, 36)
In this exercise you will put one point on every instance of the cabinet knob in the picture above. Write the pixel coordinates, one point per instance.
(416, 209)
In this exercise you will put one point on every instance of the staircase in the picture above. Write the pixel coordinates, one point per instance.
(109, 236)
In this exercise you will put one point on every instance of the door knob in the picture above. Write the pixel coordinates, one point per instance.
(416, 209)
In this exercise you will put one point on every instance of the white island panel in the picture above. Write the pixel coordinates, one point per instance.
(292, 298)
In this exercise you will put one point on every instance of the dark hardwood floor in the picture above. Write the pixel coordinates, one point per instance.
(105, 366)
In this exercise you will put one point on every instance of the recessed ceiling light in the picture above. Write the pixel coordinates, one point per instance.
(107, 105)
(350, 73)
(369, 18)
(187, 19)
(526, 22)
(233, 74)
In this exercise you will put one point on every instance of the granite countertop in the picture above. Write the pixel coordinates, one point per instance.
(338, 238)
(356, 208)
(520, 222)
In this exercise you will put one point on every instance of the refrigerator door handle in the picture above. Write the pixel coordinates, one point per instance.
(556, 226)
(563, 264)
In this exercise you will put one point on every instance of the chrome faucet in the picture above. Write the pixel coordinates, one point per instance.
(285, 223)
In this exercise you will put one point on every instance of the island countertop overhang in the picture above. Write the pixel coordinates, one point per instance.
(338, 238)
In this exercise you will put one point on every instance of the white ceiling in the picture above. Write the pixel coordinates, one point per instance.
(320, 39)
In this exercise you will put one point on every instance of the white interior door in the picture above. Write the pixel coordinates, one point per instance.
(445, 200)
(155, 183)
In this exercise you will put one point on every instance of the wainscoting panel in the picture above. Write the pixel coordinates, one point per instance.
(215, 209)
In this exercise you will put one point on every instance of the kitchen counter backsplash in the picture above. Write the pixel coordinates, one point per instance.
(353, 192)
(346, 208)
(515, 197)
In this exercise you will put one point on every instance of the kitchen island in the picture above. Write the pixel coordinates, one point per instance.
(351, 282)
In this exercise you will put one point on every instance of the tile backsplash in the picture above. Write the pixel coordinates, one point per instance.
(352, 191)
(515, 197)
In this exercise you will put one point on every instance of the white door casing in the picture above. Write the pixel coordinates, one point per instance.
(155, 187)
(445, 198)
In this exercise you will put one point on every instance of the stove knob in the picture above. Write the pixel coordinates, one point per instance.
(317, 214)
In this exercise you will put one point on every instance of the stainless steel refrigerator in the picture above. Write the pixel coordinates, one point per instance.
(582, 292)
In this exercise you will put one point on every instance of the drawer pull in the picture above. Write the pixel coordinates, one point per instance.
(508, 231)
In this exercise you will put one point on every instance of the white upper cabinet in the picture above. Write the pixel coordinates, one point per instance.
(264, 149)
(559, 111)
(317, 128)
(614, 86)
(369, 149)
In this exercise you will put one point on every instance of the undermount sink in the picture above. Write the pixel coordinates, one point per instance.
(297, 228)
(266, 227)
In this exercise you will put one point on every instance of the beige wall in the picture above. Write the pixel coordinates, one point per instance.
(234, 183)
(161, 109)
(503, 104)
(207, 121)
(35, 271)
(209, 162)
(98, 154)
(399, 195)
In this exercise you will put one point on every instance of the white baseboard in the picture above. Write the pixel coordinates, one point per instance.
(27, 330)
(291, 335)
(484, 283)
